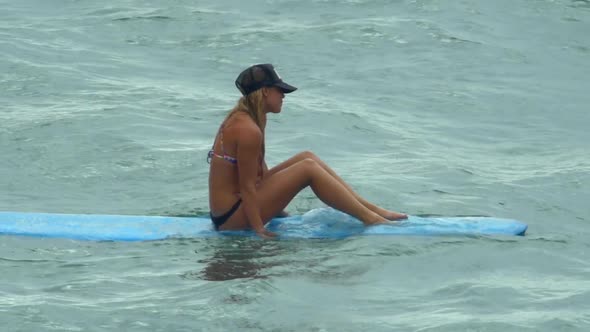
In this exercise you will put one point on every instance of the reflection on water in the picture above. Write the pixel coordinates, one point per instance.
(236, 258)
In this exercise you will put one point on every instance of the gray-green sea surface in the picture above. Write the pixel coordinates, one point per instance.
(427, 107)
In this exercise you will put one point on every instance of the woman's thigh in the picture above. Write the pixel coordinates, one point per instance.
(274, 193)
(291, 161)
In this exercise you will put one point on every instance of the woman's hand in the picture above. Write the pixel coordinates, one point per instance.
(265, 234)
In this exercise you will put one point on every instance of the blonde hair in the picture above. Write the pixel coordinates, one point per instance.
(253, 105)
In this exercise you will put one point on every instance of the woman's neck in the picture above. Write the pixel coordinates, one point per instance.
(263, 122)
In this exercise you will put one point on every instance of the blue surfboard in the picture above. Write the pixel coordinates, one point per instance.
(317, 223)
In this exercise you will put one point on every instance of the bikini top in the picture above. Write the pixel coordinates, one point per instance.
(223, 156)
(228, 158)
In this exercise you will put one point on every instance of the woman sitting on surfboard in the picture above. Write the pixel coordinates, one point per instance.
(243, 192)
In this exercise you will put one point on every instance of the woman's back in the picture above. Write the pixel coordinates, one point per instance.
(223, 171)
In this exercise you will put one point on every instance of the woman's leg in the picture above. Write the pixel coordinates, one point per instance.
(275, 193)
(391, 215)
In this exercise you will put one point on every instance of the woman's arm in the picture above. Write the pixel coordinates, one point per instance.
(248, 152)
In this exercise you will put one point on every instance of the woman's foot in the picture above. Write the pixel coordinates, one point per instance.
(395, 216)
(374, 219)
(390, 215)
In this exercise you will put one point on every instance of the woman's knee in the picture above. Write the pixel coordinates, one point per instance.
(310, 165)
(309, 155)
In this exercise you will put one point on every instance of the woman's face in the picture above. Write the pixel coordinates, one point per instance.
(274, 99)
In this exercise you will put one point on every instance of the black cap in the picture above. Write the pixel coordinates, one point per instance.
(261, 75)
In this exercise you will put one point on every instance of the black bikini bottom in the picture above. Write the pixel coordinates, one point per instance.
(220, 220)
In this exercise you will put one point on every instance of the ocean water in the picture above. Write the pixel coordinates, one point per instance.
(426, 107)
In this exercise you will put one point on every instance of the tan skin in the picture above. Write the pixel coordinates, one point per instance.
(266, 198)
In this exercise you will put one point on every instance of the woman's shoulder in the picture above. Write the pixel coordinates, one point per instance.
(243, 127)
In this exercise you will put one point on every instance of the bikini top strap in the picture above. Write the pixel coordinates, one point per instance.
(212, 151)
(220, 135)
(221, 139)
